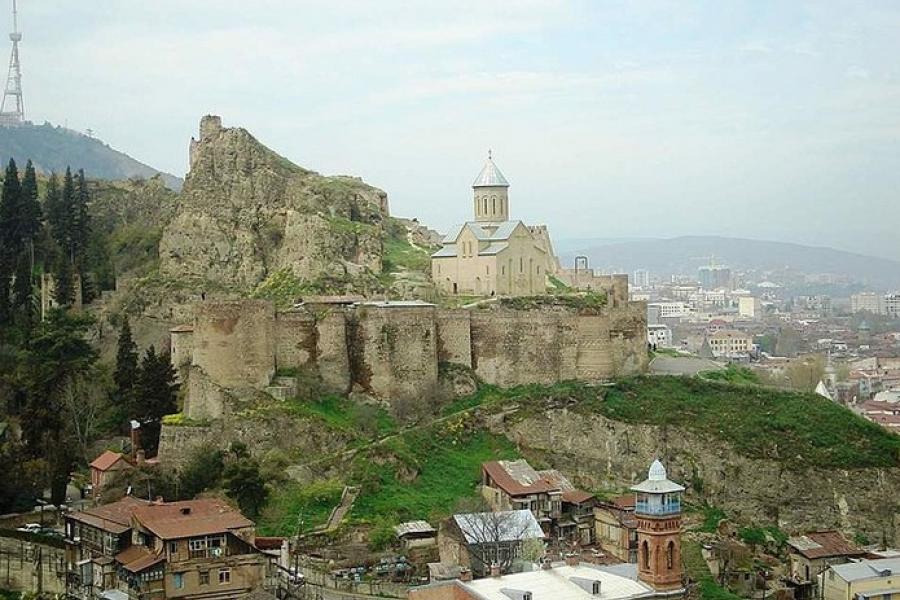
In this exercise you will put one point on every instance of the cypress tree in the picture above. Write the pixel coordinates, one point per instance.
(23, 293)
(64, 289)
(67, 222)
(30, 210)
(55, 210)
(155, 396)
(81, 221)
(10, 237)
(126, 374)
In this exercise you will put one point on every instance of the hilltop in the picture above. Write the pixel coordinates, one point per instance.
(53, 148)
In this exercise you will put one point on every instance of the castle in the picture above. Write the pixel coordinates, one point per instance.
(392, 350)
(494, 255)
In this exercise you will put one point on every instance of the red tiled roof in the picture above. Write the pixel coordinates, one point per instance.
(576, 496)
(138, 558)
(107, 460)
(625, 502)
(114, 517)
(822, 544)
(508, 484)
(174, 520)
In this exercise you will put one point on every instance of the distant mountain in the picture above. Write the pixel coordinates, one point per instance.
(53, 148)
(683, 255)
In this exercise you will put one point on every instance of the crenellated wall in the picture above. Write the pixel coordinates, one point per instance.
(392, 352)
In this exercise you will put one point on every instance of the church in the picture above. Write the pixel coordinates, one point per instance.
(493, 255)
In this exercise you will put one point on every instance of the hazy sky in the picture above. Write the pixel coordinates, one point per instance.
(771, 120)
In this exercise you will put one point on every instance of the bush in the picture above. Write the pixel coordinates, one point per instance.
(382, 536)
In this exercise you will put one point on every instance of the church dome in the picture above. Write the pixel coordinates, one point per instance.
(490, 176)
(657, 472)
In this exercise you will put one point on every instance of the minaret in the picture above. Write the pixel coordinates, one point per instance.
(658, 512)
(491, 191)
(12, 111)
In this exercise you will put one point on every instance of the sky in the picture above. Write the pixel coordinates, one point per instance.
(760, 119)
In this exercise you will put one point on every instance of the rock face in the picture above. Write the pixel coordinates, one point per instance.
(601, 453)
(245, 213)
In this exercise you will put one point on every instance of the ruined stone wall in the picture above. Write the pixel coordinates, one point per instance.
(518, 347)
(454, 336)
(295, 339)
(397, 350)
(234, 342)
(393, 352)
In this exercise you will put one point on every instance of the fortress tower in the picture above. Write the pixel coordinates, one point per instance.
(658, 512)
(491, 191)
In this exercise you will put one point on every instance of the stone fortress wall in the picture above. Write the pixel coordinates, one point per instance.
(393, 350)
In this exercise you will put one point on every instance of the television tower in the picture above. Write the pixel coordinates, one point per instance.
(12, 111)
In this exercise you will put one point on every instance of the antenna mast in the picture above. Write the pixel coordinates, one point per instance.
(12, 111)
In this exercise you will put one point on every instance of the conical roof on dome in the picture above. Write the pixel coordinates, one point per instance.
(490, 176)
(657, 481)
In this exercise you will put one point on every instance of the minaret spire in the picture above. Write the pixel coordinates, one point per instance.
(12, 111)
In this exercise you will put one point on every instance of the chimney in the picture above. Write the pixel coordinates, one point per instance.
(572, 559)
(465, 574)
(135, 438)
(495, 570)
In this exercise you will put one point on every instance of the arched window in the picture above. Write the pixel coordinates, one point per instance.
(670, 555)
(485, 205)
(521, 265)
(645, 554)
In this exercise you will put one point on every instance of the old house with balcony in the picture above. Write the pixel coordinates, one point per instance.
(617, 527)
(563, 511)
(811, 554)
(196, 549)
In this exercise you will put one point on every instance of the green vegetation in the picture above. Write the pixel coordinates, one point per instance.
(586, 302)
(343, 414)
(558, 285)
(698, 571)
(400, 254)
(424, 473)
(760, 536)
(711, 518)
(733, 374)
(182, 420)
(797, 428)
(292, 502)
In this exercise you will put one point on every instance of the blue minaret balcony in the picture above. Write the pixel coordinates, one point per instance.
(656, 495)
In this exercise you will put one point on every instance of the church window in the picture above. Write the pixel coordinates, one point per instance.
(502, 270)
(485, 205)
(521, 265)
(538, 270)
(493, 205)
(670, 555)
(645, 554)
(487, 269)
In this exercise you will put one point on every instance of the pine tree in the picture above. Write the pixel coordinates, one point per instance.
(126, 374)
(23, 310)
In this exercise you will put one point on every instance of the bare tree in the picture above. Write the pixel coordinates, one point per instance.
(497, 537)
(85, 402)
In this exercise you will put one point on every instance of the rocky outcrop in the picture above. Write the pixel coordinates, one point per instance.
(245, 213)
(601, 453)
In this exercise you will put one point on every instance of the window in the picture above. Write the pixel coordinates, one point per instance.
(502, 270)
(204, 577)
(670, 555)
(173, 547)
(521, 265)
(224, 576)
(645, 554)
(179, 580)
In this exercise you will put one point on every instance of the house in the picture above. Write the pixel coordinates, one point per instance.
(565, 581)
(563, 511)
(159, 550)
(616, 527)
(864, 580)
(727, 342)
(104, 468)
(811, 554)
(478, 540)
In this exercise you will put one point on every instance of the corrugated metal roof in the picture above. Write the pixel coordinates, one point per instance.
(868, 569)
(502, 526)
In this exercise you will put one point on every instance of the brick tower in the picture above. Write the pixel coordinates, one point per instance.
(658, 512)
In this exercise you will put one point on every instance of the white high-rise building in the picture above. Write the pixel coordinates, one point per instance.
(868, 302)
(641, 278)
